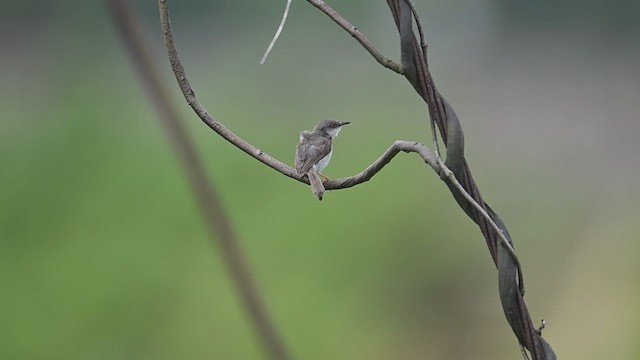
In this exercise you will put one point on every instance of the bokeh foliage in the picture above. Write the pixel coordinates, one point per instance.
(103, 254)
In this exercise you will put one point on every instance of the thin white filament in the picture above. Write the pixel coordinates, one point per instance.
(277, 35)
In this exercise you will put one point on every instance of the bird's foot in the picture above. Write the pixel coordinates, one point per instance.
(324, 177)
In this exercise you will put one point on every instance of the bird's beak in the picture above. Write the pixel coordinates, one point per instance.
(345, 123)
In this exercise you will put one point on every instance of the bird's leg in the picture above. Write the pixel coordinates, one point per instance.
(324, 177)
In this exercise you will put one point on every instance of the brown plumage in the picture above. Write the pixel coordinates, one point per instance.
(314, 151)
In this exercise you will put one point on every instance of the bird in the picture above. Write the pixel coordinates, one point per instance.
(314, 152)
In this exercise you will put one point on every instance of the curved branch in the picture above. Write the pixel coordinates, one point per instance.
(353, 31)
(214, 124)
(382, 161)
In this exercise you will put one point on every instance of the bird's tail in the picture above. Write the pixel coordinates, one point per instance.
(316, 183)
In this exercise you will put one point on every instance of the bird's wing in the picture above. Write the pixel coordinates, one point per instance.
(311, 149)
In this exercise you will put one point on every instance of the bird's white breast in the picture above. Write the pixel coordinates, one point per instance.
(322, 164)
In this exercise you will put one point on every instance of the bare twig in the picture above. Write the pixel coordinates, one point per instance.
(277, 35)
(423, 42)
(215, 217)
(353, 31)
(543, 324)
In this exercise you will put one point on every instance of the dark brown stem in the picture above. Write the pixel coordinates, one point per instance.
(215, 217)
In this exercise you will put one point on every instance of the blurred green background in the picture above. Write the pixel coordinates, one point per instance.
(103, 254)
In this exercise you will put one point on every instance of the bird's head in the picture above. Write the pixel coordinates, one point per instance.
(330, 127)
